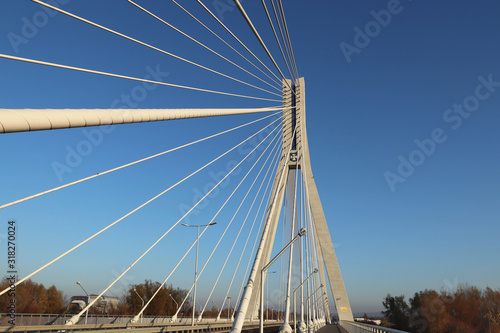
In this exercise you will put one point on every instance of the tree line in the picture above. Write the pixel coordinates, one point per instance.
(33, 297)
(467, 309)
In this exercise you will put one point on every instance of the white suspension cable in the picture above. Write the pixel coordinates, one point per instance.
(312, 234)
(285, 44)
(288, 36)
(257, 235)
(184, 300)
(290, 256)
(131, 212)
(261, 41)
(309, 246)
(274, 163)
(140, 42)
(206, 47)
(227, 200)
(79, 69)
(301, 249)
(234, 36)
(276, 37)
(221, 39)
(283, 243)
(129, 164)
(133, 320)
(308, 272)
(242, 224)
(204, 266)
(315, 281)
(240, 317)
(75, 318)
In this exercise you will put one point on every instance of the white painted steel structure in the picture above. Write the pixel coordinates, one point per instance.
(294, 136)
(293, 158)
(23, 120)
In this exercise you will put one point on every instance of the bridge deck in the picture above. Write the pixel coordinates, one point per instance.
(334, 328)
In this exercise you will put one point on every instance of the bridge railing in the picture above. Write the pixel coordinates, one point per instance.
(138, 328)
(37, 319)
(356, 327)
(185, 327)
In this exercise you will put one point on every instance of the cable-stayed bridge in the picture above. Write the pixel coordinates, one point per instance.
(260, 215)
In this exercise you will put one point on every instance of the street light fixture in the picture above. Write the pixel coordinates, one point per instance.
(196, 262)
(87, 302)
(142, 302)
(221, 308)
(228, 307)
(174, 317)
(173, 299)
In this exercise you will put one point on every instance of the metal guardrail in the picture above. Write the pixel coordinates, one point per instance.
(40, 323)
(110, 328)
(35, 319)
(356, 327)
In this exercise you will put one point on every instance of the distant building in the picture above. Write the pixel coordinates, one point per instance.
(103, 304)
(362, 320)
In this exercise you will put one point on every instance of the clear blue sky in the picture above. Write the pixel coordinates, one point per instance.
(426, 72)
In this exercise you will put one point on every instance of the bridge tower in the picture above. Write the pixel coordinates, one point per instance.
(295, 154)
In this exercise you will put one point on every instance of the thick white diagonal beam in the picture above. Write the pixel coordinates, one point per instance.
(322, 233)
(22, 120)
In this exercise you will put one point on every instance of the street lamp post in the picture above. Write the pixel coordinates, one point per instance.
(228, 307)
(142, 302)
(87, 302)
(196, 261)
(301, 233)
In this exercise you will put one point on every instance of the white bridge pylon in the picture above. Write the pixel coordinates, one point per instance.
(295, 155)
